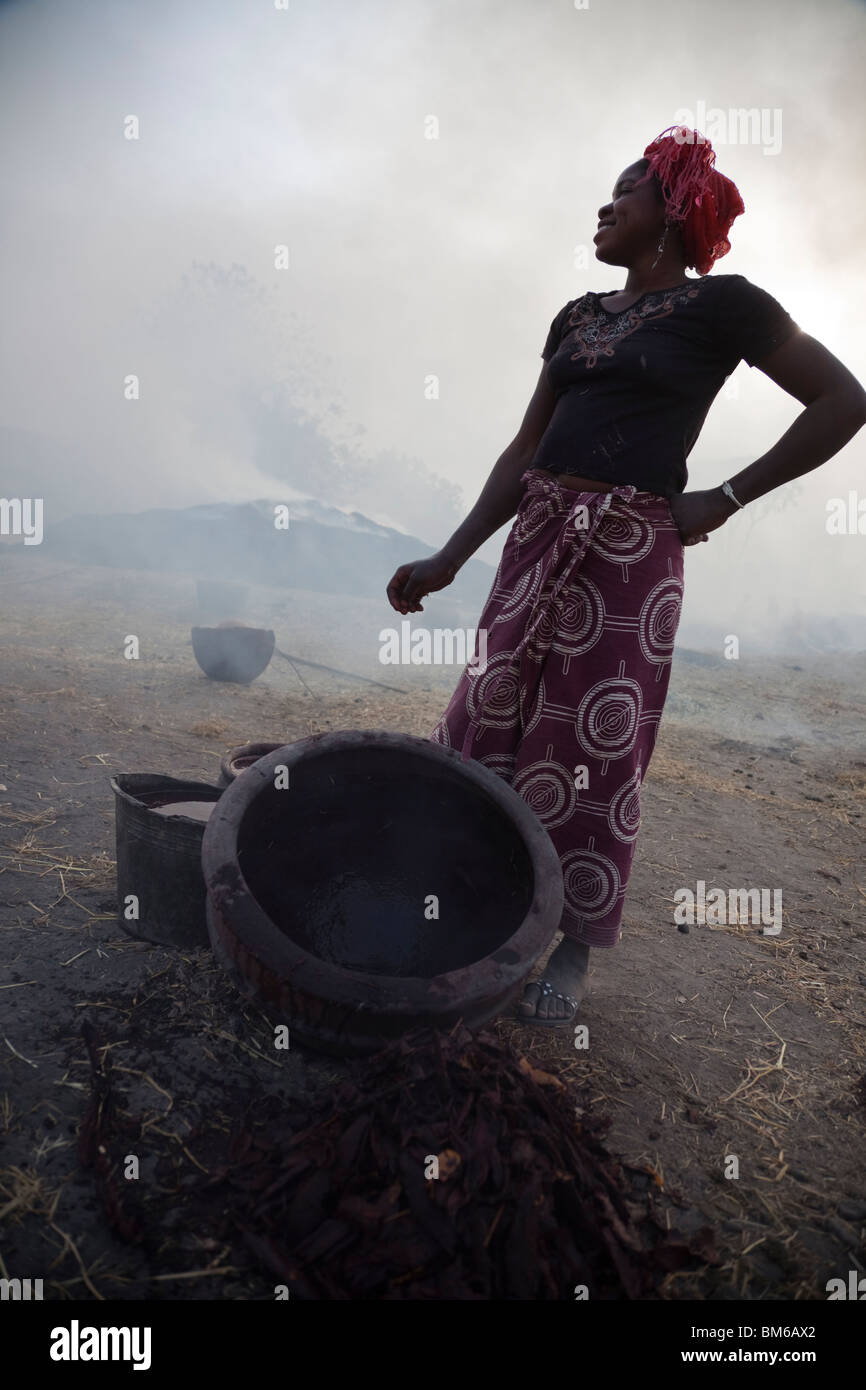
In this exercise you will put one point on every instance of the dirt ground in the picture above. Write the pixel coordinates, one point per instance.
(702, 1046)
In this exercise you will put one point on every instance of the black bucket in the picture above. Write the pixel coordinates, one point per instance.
(159, 857)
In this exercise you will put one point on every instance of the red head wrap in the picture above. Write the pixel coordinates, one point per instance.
(698, 198)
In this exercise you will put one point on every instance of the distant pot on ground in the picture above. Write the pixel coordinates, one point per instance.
(232, 652)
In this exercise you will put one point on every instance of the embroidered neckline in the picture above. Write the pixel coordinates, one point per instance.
(666, 289)
(595, 331)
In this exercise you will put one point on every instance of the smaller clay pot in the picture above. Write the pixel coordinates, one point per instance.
(237, 760)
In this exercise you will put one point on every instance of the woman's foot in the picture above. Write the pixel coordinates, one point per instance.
(556, 998)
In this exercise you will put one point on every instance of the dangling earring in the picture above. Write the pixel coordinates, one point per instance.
(660, 248)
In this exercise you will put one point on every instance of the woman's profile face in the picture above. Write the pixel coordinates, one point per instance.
(634, 219)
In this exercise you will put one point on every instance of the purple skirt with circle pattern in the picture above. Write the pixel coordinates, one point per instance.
(565, 702)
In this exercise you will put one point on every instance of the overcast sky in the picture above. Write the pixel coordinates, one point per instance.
(408, 256)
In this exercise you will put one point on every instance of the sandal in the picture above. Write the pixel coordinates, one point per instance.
(546, 988)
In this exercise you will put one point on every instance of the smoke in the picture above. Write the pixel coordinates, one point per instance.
(329, 258)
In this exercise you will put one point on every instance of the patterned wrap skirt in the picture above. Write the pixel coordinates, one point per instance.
(566, 702)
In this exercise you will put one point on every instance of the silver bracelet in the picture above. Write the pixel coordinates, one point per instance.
(729, 492)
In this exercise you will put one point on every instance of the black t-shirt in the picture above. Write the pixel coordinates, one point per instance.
(634, 387)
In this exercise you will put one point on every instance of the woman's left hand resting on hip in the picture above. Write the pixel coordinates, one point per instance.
(697, 513)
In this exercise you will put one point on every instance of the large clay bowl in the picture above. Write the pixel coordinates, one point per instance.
(322, 897)
(233, 653)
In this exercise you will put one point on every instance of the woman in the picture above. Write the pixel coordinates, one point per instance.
(583, 611)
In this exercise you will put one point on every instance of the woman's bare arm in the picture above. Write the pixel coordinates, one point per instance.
(499, 500)
(500, 496)
(835, 410)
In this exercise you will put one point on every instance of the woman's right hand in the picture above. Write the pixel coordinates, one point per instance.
(411, 582)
